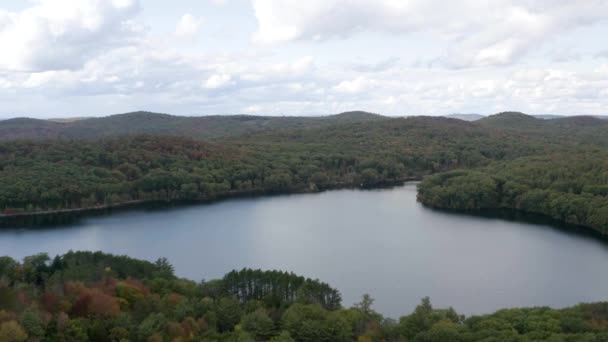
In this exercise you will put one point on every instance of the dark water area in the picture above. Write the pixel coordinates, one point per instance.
(380, 242)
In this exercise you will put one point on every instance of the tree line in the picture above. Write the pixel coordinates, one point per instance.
(483, 161)
(92, 296)
(48, 175)
(570, 187)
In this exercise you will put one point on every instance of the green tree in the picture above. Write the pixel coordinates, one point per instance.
(284, 336)
(306, 322)
(229, 313)
(32, 323)
(11, 331)
(258, 324)
(154, 323)
(365, 304)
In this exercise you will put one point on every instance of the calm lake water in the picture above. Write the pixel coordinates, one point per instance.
(380, 242)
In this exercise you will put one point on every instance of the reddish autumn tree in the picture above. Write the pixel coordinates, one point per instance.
(81, 306)
(50, 302)
(103, 305)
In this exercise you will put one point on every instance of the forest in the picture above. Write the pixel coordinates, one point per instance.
(92, 296)
(571, 188)
(568, 183)
(557, 168)
(56, 174)
(510, 160)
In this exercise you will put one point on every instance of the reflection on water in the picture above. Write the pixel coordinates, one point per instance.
(380, 242)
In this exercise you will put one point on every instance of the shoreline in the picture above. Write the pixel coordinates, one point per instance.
(519, 215)
(41, 218)
(208, 200)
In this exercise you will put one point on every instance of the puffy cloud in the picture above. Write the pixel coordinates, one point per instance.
(298, 69)
(381, 66)
(87, 67)
(253, 109)
(217, 81)
(64, 34)
(188, 25)
(357, 85)
(530, 75)
(480, 33)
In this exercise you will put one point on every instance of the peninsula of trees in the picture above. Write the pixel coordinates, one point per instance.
(86, 296)
(568, 183)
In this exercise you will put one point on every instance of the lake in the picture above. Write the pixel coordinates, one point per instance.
(380, 242)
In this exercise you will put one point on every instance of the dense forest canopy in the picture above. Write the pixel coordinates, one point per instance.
(571, 130)
(68, 174)
(100, 162)
(137, 123)
(92, 296)
(568, 183)
(572, 188)
(553, 167)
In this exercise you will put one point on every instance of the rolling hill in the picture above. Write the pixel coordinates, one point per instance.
(136, 123)
(141, 156)
(573, 129)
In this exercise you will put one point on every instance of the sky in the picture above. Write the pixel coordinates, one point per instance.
(66, 58)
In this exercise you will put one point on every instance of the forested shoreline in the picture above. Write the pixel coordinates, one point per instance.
(238, 194)
(512, 161)
(570, 188)
(115, 165)
(49, 175)
(92, 296)
(146, 171)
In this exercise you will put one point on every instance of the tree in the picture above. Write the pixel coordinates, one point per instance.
(35, 268)
(119, 334)
(420, 320)
(441, 331)
(103, 305)
(306, 322)
(369, 177)
(76, 331)
(154, 323)
(365, 304)
(258, 324)
(284, 336)
(8, 268)
(32, 323)
(165, 269)
(11, 331)
(229, 313)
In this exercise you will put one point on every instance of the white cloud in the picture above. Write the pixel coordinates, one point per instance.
(285, 71)
(253, 109)
(482, 33)
(218, 81)
(531, 75)
(408, 58)
(188, 25)
(357, 85)
(297, 67)
(64, 34)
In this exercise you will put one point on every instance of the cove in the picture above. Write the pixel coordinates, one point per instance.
(380, 242)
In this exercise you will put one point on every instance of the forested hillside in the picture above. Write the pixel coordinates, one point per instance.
(256, 155)
(572, 187)
(569, 184)
(86, 296)
(138, 123)
(573, 129)
(68, 174)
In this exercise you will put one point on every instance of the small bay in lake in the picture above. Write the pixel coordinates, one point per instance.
(380, 242)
